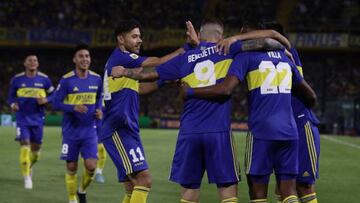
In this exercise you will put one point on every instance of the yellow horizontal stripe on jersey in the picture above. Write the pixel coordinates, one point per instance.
(256, 78)
(117, 84)
(300, 70)
(30, 92)
(221, 69)
(81, 98)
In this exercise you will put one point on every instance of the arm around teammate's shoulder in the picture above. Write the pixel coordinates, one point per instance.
(223, 89)
(155, 61)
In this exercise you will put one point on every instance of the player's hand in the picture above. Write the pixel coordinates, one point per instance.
(14, 107)
(81, 108)
(42, 100)
(224, 45)
(118, 71)
(98, 114)
(191, 35)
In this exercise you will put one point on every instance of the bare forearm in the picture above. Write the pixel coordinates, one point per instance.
(264, 34)
(261, 44)
(155, 61)
(142, 76)
(215, 91)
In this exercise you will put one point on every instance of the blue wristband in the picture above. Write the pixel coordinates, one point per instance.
(190, 92)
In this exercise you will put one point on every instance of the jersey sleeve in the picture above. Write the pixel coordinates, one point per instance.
(170, 70)
(59, 97)
(49, 88)
(296, 57)
(12, 92)
(239, 67)
(131, 60)
(99, 95)
(296, 75)
(235, 48)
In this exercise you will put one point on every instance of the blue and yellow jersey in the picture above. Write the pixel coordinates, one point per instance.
(269, 77)
(72, 91)
(301, 112)
(25, 91)
(121, 95)
(201, 67)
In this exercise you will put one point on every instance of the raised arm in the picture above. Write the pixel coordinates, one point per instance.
(155, 61)
(225, 44)
(223, 89)
(261, 44)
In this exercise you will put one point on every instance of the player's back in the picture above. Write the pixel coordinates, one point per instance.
(269, 78)
(202, 67)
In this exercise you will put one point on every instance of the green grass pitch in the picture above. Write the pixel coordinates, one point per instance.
(339, 171)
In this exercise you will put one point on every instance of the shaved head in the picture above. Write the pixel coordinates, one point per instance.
(211, 30)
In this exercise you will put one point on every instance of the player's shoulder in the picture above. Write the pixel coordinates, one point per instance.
(68, 75)
(94, 74)
(41, 74)
(19, 75)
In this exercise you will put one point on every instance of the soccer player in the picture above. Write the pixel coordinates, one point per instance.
(28, 94)
(309, 138)
(120, 130)
(272, 140)
(205, 138)
(78, 95)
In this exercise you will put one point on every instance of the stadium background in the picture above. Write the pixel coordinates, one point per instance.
(328, 43)
(326, 33)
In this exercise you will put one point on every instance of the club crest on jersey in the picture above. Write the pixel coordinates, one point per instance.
(134, 56)
(76, 89)
(23, 85)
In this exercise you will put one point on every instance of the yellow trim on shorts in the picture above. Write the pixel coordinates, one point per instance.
(311, 147)
(124, 157)
(248, 152)
(235, 160)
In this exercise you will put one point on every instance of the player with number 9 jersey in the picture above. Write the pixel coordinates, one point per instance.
(205, 124)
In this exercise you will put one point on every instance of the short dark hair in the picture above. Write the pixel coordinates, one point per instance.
(274, 25)
(216, 21)
(81, 47)
(30, 53)
(126, 26)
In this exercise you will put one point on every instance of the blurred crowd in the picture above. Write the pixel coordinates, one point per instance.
(334, 77)
(90, 14)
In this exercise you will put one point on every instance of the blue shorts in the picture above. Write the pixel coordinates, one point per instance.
(32, 133)
(71, 149)
(126, 151)
(309, 151)
(213, 152)
(262, 157)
